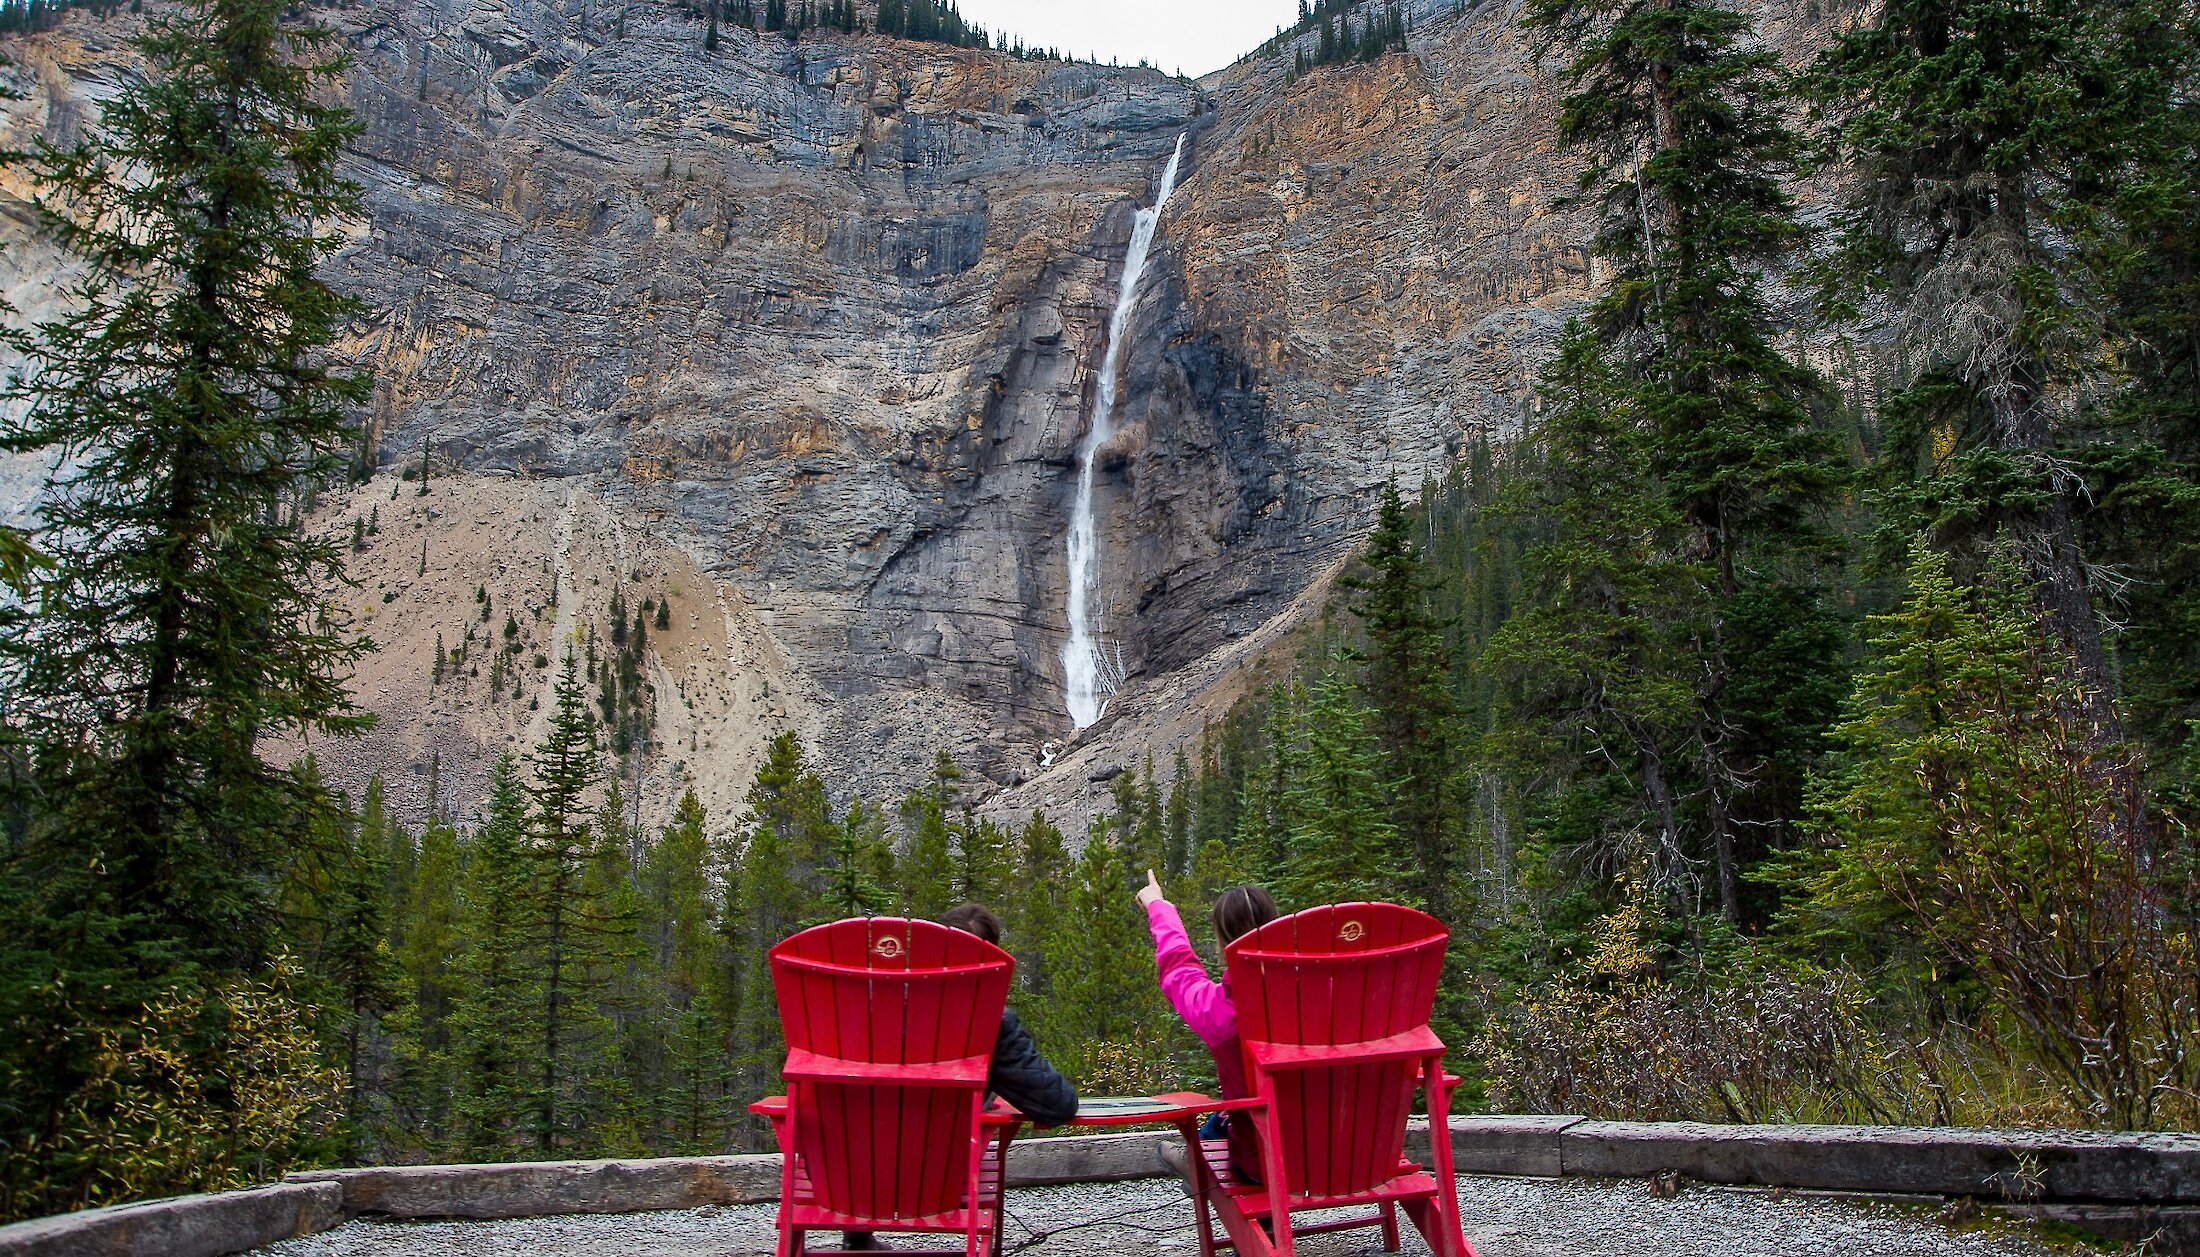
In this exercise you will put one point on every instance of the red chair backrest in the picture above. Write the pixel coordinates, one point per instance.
(888, 991)
(1332, 977)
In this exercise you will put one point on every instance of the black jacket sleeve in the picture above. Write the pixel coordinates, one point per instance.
(1024, 1078)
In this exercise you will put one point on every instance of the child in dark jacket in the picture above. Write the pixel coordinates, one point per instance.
(1019, 1074)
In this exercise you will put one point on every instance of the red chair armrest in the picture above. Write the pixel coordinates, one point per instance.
(770, 1106)
(813, 1067)
(1420, 1041)
(1234, 1106)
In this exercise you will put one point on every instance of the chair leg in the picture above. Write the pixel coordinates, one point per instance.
(1390, 1226)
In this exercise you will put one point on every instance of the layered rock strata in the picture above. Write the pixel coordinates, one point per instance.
(802, 335)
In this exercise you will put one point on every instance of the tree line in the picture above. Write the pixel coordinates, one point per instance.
(931, 21)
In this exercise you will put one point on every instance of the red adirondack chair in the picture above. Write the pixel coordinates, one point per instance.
(884, 1127)
(1333, 1010)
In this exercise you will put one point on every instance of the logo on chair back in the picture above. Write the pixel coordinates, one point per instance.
(1352, 931)
(888, 947)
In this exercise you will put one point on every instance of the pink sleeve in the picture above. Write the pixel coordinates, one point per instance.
(1203, 1003)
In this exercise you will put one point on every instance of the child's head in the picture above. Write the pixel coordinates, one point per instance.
(975, 918)
(1242, 910)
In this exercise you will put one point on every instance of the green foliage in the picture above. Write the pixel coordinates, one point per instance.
(1721, 517)
(1103, 1003)
(193, 1093)
(1405, 680)
(1978, 814)
(928, 864)
(186, 409)
(497, 1019)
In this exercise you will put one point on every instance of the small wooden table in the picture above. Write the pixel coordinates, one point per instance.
(1181, 1109)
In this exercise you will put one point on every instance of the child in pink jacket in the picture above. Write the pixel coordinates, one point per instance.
(1205, 1005)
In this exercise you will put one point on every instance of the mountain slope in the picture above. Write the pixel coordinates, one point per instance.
(802, 336)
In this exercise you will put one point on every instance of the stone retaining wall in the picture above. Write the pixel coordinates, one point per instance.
(184, 1226)
(2121, 1186)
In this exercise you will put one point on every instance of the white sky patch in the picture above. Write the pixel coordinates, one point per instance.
(1194, 36)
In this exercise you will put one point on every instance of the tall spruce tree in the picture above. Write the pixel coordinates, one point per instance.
(788, 824)
(1675, 104)
(1034, 915)
(858, 868)
(1591, 685)
(1966, 127)
(928, 875)
(187, 408)
(498, 1014)
(1339, 841)
(1405, 676)
(431, 957)
(2141, 225)
(560, 842)
(1104, 1002)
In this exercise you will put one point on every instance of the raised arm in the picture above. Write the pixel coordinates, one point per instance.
(1201, 1001)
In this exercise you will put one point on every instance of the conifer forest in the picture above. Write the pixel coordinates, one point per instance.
(1780, 740)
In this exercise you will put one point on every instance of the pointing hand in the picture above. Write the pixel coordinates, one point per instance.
(1151, 891)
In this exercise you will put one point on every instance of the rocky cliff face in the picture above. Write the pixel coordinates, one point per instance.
(801, 337)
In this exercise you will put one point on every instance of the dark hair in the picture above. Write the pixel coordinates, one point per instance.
(1241, 910)
(975, 918)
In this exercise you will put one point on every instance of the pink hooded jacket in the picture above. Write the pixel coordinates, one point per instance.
(1205, 1006)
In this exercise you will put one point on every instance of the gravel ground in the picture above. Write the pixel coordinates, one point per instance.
(1505, 1217)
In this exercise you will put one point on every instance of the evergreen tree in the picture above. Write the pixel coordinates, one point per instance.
(786, 828)
(1976, 830)
(1104, 1002)
(620, 1052)
(859, 867)
(1035, 914)
(2140, 221)
(1340, 843)
(431, 956)
(179, 619)
(1967, 125)
(1592, 685)
(559, 845)
(1676, 105)
(1177, 817)
(356, 962)
(1405, 676)
(928, 886)
(983, 860)
(499, 1012)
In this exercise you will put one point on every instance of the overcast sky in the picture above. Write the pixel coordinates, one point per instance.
(1194, 36)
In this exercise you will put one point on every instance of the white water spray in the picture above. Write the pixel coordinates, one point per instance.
(1092, 671)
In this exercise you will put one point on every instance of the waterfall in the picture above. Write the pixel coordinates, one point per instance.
(1092, 673)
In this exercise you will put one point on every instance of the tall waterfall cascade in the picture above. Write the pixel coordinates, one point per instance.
(1091, 666)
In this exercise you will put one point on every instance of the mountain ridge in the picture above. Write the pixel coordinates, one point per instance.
(801, 335)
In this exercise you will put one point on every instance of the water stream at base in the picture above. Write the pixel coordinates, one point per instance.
(1092, 674)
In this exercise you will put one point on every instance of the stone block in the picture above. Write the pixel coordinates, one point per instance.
(540, 1188)
(1111, 1158)
(182, 1226)
(1500, 1143)
(1990, 1164)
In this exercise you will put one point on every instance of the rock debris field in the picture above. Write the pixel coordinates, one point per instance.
(1505, 1217)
